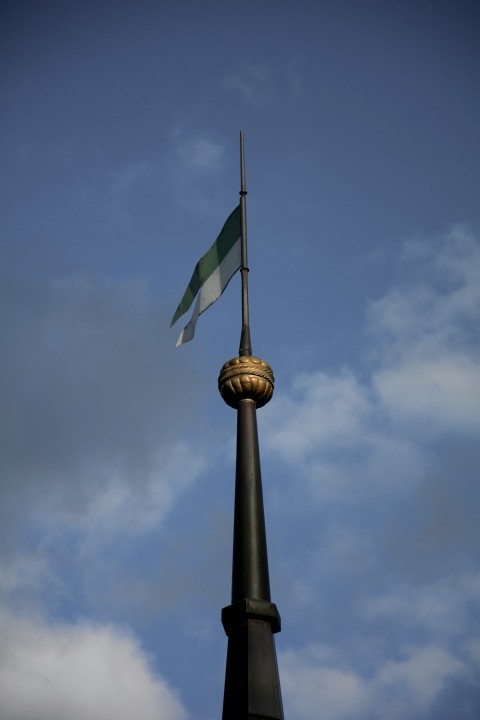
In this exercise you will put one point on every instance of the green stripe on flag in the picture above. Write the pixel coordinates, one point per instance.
(211, 260)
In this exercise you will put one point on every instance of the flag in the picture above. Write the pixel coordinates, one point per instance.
(212, 274)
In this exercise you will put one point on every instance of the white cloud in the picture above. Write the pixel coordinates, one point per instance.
(28, 570)
(311, 691)
(435, 305)
(201, 154)
(93, 393)
(116, 505)
(320, 410)
(258, 84)
(315, 682)
(115, 521)
(472, 647)
(93, 402)
(254, 82)
(387, 460)
(196, 163)
(80, 672)
(440, 393)
(335, 428)
(405, 687)
(427, 338)
(440, 608)
(130, 176)
(424, 381)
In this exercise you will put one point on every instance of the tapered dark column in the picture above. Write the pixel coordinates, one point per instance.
(252, 686)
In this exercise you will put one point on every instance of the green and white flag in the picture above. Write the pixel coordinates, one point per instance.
(212, 274)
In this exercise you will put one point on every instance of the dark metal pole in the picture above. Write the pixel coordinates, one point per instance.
(250, 562)
(245, 341)
(252, 683)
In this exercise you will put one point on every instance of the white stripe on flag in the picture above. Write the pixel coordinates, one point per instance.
(212, 288)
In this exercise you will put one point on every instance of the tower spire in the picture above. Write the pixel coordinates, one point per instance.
(252, 685)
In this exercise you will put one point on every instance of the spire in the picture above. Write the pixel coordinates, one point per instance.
(252, 685)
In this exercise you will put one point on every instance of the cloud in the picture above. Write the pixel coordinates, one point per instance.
(334, 428)
(441, 392)
(254, 82)
(93, 462)
(130, 176)
(426, 338)
(410, 685)
(117, 504)
(384, 464)
(93, 396)
(321, 410)
(197, 161)
(315, 681)
(199, 153)
(258, 84)
(423, 383)
(82, 671)
(440, 608)
(310, 690)
(28, 571)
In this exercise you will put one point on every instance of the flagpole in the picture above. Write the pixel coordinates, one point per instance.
(245, 341)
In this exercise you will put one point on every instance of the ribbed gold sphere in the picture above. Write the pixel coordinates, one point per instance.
(244, 378)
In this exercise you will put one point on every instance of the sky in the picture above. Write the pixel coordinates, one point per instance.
(120, 164)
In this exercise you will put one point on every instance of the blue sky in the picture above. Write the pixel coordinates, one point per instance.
(120, 164)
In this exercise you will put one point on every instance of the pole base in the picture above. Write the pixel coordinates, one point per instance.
(252, 685)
